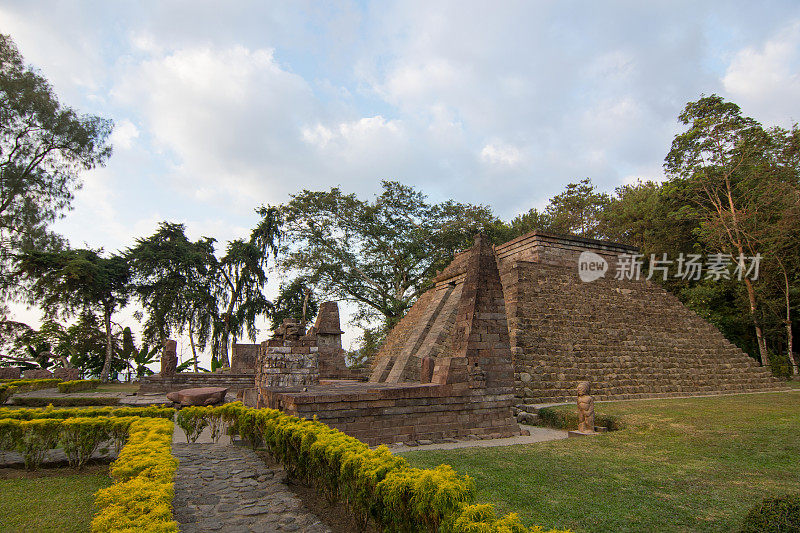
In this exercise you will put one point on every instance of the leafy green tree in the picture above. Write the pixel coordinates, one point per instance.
(73, 281)
(241, 277)
(43, 147)
(380, 254)
(718, 158)
(296, 301)
(577, 210)
(86, 340)
(172, 279)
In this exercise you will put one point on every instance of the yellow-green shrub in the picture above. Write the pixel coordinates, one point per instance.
(78, 385)
(28, 385)
(6, 391)
(192, 420)
(141, 497)
(36, 439)
(52, 412)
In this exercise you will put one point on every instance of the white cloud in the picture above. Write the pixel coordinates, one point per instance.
(765, 79)
(498, 153)
(125, 132)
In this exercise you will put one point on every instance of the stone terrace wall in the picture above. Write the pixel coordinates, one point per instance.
(291, 364)
(190, 380)
(389, 413)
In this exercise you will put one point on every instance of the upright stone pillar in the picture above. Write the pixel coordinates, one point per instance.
(169, 358)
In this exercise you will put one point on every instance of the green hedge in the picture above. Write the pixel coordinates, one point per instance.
(78, 401)
(28, 385)
(374, 483)
(774, 515)
(78, 385)
(561, 418)
(141, 497)
(52, 412)
(6, 391)
(79, 437)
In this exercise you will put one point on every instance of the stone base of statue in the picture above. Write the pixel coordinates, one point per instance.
(597, 431)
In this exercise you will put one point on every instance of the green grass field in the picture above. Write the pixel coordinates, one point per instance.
(679, 465)
(57, 503)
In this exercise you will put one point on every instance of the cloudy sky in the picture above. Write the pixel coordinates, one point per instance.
(222, 106)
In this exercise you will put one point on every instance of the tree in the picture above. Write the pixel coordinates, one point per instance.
(577, 210)
(43, 147)
(172, 278)
(74, 281)
(380, 254)
(295, 301)
(241, 277)
(716, 157)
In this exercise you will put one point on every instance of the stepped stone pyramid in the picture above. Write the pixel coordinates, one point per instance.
(630, 338)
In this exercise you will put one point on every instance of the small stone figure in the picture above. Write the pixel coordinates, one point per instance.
(585, 408)
(169, 358)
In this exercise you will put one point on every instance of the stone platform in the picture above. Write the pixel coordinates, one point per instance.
(190, 380)
(383, 413)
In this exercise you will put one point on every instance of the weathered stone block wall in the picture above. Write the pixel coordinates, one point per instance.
(291, 364)
(631, 339)
(10, 372)
(399, 413)
(244, 358)
(190, 380)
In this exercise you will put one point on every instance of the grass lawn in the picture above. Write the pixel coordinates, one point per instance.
(58, 503)
(679, 465)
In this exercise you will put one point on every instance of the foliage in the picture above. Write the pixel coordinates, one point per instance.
(376, 484)
(78, 385)
(29, 385)
(240, 281)
(294, 298)
(80, 437)
(380, 254)
(577, 210)
(774, 515)
(141, 497)
(44, 146)
(52, 412)
(192, 421)
(37, 437)
(6, 392)
(73, 281)
(171, 276)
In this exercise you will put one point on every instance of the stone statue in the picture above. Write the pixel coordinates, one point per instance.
(585, 408)
(169, 358)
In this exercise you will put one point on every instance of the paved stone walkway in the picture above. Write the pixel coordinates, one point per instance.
(228, 488)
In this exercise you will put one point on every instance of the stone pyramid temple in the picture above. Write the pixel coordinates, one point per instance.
(548, 330)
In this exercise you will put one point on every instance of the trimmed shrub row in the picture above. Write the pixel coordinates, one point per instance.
(52, 412)
(79, 401)
(568, 419)
(28, 385)
(141, 497)
(78, 385)
(79, 437)
(6, 391)
(376, 484)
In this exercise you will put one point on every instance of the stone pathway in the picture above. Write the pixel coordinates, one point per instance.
(537, 434)
(228, 488)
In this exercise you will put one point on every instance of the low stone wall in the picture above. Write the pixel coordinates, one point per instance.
(378, 413)
(189, 380)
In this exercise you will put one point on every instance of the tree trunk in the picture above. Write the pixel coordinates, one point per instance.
(762, 346)
(788, 321)
(194, 350)
(107, 364)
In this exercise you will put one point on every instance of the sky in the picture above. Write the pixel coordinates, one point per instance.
(220, 107)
